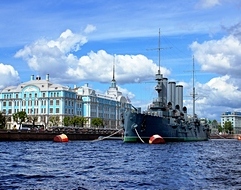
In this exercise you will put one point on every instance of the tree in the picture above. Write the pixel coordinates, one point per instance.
(67, 121)
(83, 121)
(220, 129)
(76, 121)
(228, 128)
(214, 123)
(97, 122)
(54, 120)
(20, 117)
(2, 120)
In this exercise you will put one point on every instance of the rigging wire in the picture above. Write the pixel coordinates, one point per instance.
(100, 139)
(139, 136)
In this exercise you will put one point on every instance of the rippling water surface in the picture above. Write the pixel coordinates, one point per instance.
(112, 164)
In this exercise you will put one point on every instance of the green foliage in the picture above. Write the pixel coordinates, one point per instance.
(54, 120)
(2, 121)
(97, 122)
(67, 121)
(74, 121)
(83, 121)
(220, 129)
(228, 128)
(20, 117)
(214, 123)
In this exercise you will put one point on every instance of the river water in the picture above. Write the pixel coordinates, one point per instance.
(112, 164)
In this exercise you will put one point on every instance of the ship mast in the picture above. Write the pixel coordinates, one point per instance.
(158, 87)
(193, 87)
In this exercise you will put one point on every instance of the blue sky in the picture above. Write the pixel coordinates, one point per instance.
(76, 42)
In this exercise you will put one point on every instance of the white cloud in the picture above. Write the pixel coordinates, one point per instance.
(223, 92)
(222, 57)
(219, 56)
(89, 28)
(207, 3)
(129, 68)
(126, 92)
(54, 56)
(215, 97)
(9, 76)
(58, 58)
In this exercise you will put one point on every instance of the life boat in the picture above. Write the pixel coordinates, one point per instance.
(61, 138)
(156, 139)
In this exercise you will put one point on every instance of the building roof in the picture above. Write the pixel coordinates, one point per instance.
(41, 85)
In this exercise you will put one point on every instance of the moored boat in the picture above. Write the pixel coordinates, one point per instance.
(166, 116)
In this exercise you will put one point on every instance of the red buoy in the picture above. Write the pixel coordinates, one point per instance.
(61, 138)
(156, 139)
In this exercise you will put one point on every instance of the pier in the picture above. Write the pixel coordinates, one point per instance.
(224, 136)
(76, 134)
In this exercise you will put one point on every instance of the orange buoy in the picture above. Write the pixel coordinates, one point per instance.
(239, 137)
(61, 138)
(156, 139)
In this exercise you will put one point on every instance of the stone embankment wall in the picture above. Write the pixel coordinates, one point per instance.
(224, 136)
(83, 134)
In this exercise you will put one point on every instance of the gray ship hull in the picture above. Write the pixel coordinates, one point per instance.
(140, 127)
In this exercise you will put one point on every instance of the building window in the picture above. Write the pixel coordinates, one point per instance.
(24, 95)
(10, 103)
(44, 94)
(57, 110)
(51, 102)
(35, 95)
(4, 103)
(35, 103)
(57, 102)
(51, 110)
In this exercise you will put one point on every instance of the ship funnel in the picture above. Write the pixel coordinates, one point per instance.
(179, 95)
(171, 93)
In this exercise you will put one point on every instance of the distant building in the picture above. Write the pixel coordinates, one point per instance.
(105, 106)
(50, 103)
(40, 99)
(234, 118)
